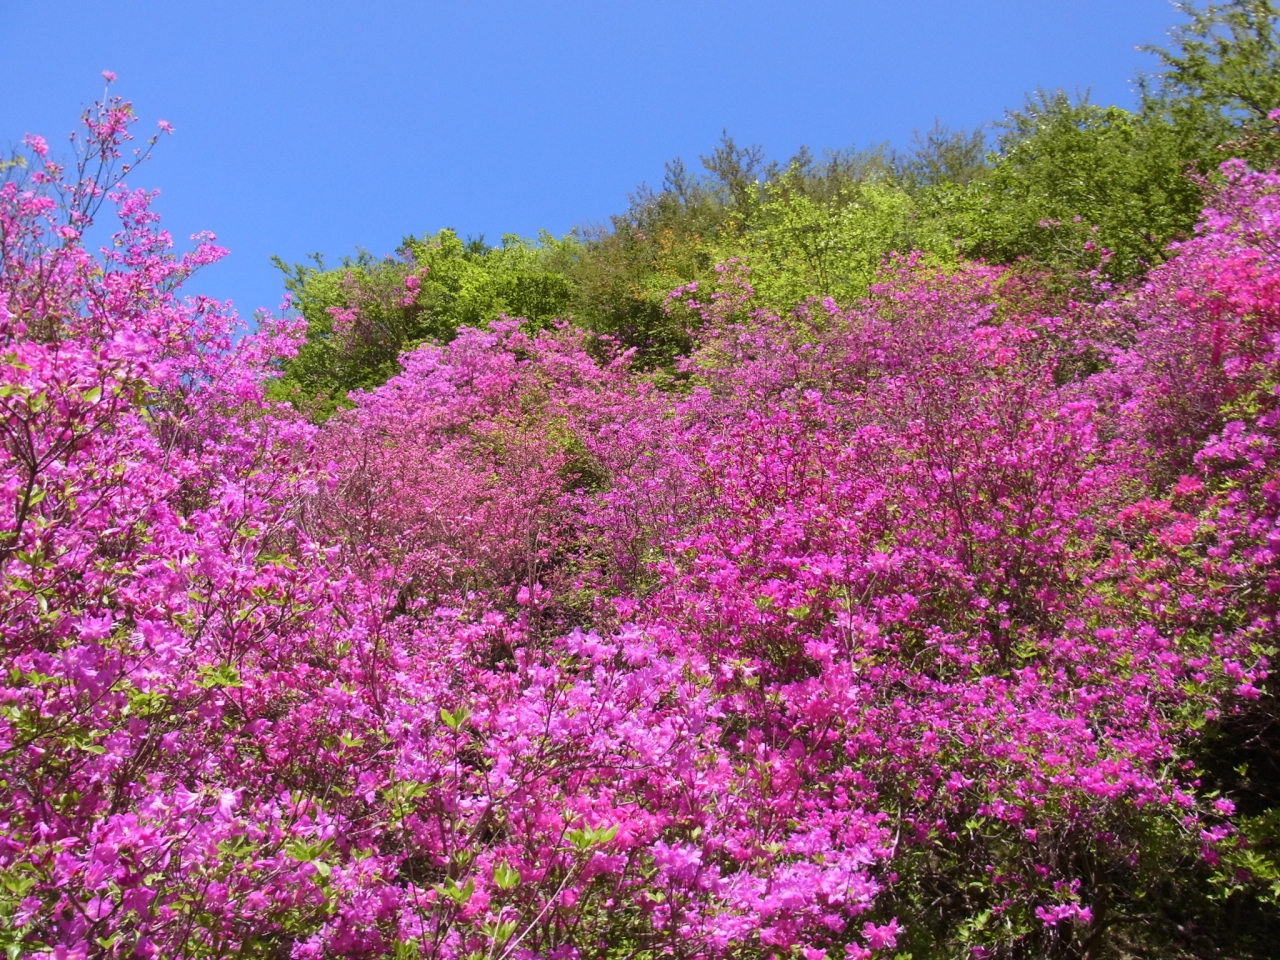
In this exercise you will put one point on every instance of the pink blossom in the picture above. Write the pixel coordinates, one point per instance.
(517, 634)
(36, 144)
(882, 936)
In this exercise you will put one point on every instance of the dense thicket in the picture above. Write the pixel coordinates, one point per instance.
(833, 605)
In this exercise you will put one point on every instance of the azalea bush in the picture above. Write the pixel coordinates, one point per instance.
(242, 719)
(929, 625)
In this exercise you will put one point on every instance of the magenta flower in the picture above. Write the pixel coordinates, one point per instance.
(518, 653)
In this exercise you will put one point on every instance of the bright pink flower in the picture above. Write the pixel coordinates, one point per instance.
(516, 627)
(36, 144)
(881, 937)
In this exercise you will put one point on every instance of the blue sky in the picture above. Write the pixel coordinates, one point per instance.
(323, 126)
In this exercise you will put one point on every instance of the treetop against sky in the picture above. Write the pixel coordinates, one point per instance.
(326, 126)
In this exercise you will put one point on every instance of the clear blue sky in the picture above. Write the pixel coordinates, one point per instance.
(324, 125)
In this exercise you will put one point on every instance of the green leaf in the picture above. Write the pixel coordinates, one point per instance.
(223, 675)
(458, 894)
(586, 839)
(454, 720)
(505, 876)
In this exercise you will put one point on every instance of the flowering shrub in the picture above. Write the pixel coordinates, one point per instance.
(234, 724)
(896, 534)
(893, 628)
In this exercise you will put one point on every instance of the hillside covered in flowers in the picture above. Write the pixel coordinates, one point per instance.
(927, 620)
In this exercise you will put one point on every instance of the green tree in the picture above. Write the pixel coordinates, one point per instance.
(364, 313)
(1221, 81)
(1226, 62)
(801, 245)
(942, 155)
(668, 237)
(1068, 186)
(1070, 179)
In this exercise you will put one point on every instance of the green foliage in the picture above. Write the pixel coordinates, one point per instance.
(941, 155)
(1070, 180)
(1220, 82)
(809, 228)
(470, 284)
(363, 314)
(623, 273)
(1070, 186)
(1227, 60)
(799, 246)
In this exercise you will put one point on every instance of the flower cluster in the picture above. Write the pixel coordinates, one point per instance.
(884, 626)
